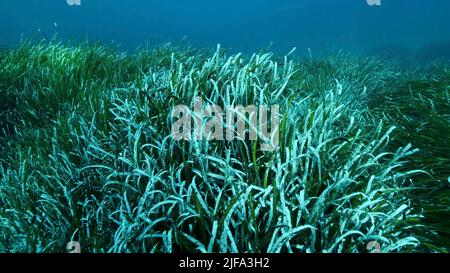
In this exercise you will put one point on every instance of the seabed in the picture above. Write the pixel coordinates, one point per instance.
(87, 154)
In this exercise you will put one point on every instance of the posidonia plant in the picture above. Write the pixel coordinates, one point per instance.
(421, 108)
(88, 156)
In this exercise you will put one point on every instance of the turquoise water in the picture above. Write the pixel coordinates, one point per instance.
(321, 25)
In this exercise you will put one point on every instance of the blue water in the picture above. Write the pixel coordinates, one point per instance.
(240, 25)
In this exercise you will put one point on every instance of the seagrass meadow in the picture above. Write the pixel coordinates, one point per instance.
(86, 153)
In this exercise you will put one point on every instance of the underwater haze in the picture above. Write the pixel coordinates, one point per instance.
(321, 25)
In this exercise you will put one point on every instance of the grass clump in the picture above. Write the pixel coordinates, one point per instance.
(421, 108)
(87, 155)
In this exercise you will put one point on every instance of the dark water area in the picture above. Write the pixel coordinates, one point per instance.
(394, 27)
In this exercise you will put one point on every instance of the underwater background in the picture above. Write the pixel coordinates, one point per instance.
(403, 26)
(88, 155)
